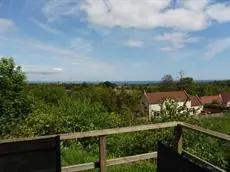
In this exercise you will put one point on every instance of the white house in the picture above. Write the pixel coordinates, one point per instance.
(152, 100)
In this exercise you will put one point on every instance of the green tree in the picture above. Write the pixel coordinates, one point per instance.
(50, 94)
(167, 83)
(108, 84)
(14, 102)
(187, 84)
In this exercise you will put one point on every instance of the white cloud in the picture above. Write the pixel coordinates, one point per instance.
(72, 64)
(219, 12)
(6, 26)
(186, 15)
(58, 69)
(40, 48)
(144, 14)
(81, 45)
(134, 43)
(46, 27)
(194, 5)
(40, 70)
(54, 9)
(167, 49)
(176, 40)
(217, 47)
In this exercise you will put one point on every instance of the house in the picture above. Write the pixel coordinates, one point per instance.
(222, 99)
(211, 99)
(197, 104)
(225, 99)
(153, 100)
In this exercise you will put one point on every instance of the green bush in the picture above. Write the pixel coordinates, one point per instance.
(68, 116)
(14, 101)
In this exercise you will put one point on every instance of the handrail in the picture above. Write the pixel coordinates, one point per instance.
(106, 132)
(98, 133)
(103, 163)
(212, 133)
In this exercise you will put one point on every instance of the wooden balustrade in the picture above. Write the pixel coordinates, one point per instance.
(104, 163)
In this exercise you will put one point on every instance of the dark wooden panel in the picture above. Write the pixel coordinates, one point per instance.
(167, 158)
(170, 160)
(40, 155)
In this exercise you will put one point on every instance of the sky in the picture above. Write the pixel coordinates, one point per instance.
(125, 40)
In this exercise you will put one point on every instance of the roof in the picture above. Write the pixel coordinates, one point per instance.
(155, 98)
(210, 99)
(195, 101)
(225, 97)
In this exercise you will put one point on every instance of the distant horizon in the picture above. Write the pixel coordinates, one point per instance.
(127, 81)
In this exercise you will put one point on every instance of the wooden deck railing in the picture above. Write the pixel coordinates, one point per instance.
(104, 163)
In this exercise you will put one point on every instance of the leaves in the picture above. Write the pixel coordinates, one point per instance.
(15, 104)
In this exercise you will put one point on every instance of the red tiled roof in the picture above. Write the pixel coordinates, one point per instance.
(155, 98)
(225, 97)
(210, 99)
(195, 101)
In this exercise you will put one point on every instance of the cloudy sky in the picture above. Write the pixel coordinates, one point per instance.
(96, 40)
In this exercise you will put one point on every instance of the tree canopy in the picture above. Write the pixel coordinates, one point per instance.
(14, 104)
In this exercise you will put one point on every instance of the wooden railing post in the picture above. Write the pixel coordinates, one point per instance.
(178, 138)
(102, 156)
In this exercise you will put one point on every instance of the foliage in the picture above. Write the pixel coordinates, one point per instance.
(167, 83)
(170, 110)
(208, 148)
(14, 102)
(201, 145)
(49, 94)
(187, 84)
(68, 116)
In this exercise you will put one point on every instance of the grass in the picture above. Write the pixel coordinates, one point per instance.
(76, 155)
(135, 167)
(220, 124)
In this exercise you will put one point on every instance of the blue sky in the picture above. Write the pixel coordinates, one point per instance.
(98, 40)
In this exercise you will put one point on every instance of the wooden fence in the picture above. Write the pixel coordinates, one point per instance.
(103, 162)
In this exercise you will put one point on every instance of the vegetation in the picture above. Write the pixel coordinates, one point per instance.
(170, 110)
(14, 103)
(41, 109)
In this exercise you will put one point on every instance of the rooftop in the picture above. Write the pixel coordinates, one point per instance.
(157, 97)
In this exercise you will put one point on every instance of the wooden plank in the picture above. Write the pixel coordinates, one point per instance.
(102, 151)
(26, 139)
(97, 133)
(129, 159)
(178, 138)
(111, 162)
(212, 133)
(27, 145)
(216, 169)
(33, 155)
(104, 132)
(79, 167)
